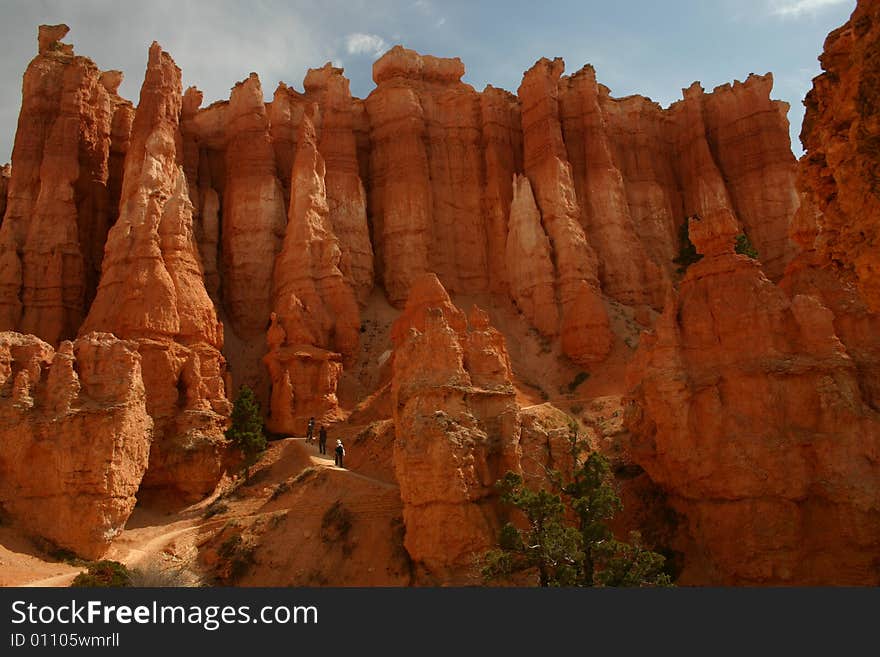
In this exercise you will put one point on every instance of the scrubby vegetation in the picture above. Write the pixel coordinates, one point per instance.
(744, 246)
(246, 431)
(215, 508)
(562, 534)
(155, 574)
(104, 574)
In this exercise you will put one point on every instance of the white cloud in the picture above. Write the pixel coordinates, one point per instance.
(797, 8)
(359, 43)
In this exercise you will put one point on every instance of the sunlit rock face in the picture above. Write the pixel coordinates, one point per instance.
(458, 275)
(839, 171)
(75, 437)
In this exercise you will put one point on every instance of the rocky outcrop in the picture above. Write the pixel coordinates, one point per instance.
(152, 292)
(304, 382)
(253, 210)
(550, 173)
(748, 133)
(841, 168)
(626, 271)
(61, 193)
(854, 323)
(253, 219)
(308, 270)
(346, 198)
(74, 437)
(586, 331)
(747, 411)
(502, 159)
(426, 174)
(456, 433)
(316, 322)
(641, 137)
(529, 263)
(753, 406)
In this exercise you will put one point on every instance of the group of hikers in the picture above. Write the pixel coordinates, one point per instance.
(322, 441)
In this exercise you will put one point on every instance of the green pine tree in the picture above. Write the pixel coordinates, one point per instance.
(246, 431)
(567, 540)
(744, 246)
(548, 545)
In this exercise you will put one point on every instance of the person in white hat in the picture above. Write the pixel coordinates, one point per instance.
(340, 452)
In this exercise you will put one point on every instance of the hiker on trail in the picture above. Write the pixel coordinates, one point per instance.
(310, 430)
(340, 452)
(322, 440)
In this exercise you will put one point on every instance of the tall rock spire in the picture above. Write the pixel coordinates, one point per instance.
(152, 291)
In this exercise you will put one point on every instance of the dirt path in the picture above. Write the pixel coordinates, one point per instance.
(152, 537)
(330, 463)
(57, 581)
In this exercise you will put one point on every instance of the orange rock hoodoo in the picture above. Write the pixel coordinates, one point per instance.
(750, 412)
(456, 429)
(74, 437)
(840, 172)
(286, 244)
(63, 193)
(152, 291)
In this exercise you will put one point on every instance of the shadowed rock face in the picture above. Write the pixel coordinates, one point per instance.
(74, 437)
(747, 409)
(5, 174)
(841, 168)
(64, 193)
(258, 243)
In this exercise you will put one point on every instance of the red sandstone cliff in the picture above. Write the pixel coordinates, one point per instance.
(346, 198)
(753, 405)
(316, 322)
(748, 411)
(839, 172)
(152, 291)
(456, 430)
(253, 217)
(582, 228)
(74, 437)
(5, 174)
(61, 195)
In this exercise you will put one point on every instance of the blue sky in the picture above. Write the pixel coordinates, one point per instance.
(649, 47)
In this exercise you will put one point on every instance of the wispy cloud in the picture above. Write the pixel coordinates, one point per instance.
(359, 43)
(798, 8)
(426, 8)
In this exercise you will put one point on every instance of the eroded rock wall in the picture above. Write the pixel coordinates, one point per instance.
(152, 291)
(75, 437)
(316, 322)
(841, 167)
(63, 193)
(748, 411)
(456, 431)
(247, 220)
